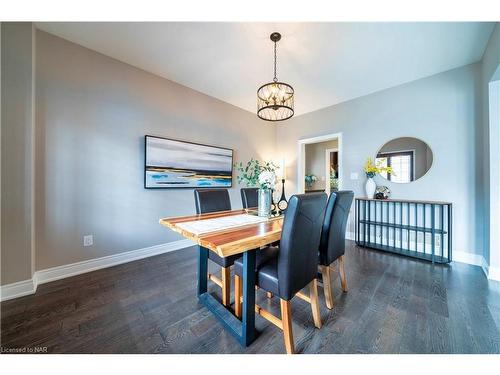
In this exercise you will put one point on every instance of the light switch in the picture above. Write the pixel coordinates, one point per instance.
(354, 175)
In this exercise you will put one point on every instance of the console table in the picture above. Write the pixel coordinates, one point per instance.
(418, 229)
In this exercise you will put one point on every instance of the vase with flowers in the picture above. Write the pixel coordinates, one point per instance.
(371, 170)
(310, 179)
(261, 175)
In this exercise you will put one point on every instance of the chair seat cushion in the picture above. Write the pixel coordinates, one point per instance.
(262, 256)
(267, 277)
(223, 262)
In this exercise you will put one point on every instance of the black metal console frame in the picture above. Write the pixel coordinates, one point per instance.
(397, 226)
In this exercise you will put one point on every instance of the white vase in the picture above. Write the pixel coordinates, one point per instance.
(370, 187)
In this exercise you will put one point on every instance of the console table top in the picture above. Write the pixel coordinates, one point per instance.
(401, 200)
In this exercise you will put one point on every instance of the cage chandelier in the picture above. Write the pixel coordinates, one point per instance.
(275, 99)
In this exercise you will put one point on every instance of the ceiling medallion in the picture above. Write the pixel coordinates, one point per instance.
(275, 99)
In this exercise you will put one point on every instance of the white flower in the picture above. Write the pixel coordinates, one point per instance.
(267, 180)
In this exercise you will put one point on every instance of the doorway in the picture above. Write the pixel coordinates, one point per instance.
(320, 163)
(331, 170)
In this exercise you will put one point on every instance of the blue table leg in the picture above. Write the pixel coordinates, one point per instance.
(248, 320)
(202, 270)
(243, 331)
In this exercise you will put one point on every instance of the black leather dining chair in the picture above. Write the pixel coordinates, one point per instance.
(332, 241)
(249, 197)
(214, 200)
(294, 267)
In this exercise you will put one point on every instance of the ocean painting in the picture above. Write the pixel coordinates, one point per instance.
(177, 164)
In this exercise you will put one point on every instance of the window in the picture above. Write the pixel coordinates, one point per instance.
(401, 164)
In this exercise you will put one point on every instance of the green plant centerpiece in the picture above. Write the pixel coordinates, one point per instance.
(261, 175)
(249, 174)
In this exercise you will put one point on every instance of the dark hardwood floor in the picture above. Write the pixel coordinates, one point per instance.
(394, 305)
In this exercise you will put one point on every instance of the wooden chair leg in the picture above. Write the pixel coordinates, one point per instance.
(269, 294)
(313, 292)
(327, 286)
(343, 278)
(226, 286)
(238, 292)
(286, 318)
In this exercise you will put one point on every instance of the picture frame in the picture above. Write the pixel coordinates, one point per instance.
(173, 164)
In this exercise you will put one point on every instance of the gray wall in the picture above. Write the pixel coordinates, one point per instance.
(92, 115)
(315, 162)
(441, 110)
(17, 155)
(490, 63)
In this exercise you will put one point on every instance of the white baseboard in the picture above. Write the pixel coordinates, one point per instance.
(469, 258)
(19, 289)
(494, 273)
(61, 272)
(26, 287)
(491, 273)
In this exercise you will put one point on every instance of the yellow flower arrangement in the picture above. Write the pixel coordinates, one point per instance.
(371, 169)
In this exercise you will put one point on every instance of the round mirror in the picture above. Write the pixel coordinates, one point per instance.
(408, 158)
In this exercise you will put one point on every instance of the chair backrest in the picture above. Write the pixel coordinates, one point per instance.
(332, 243)
(249, 197)
(298, 255)
(211, 200)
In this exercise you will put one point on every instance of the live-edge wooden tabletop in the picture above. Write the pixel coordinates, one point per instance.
(229, 241)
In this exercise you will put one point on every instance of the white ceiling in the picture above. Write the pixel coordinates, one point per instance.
(326, 63)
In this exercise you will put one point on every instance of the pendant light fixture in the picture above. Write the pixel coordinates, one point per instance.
(275, 99)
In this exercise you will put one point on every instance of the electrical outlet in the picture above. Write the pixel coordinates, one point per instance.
(88, 240)
(354, 176)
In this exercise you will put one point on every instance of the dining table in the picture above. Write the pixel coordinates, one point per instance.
(229, 233)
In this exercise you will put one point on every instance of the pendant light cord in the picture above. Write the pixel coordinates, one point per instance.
(275, 79)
